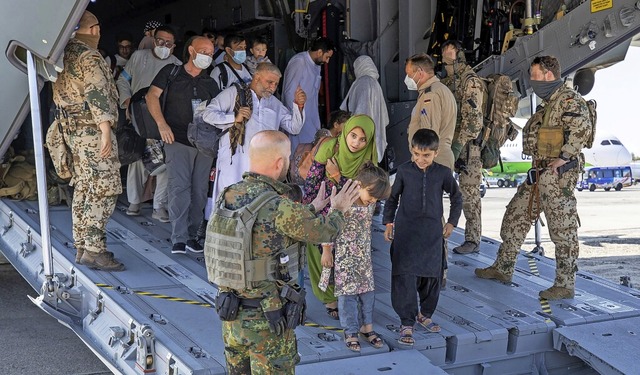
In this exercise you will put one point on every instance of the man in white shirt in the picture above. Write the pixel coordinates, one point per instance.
(125, 48)
(303, 71)
(233, 68)
(267, 113)
(138, 74)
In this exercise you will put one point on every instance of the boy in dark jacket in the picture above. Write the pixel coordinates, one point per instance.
(416, 251)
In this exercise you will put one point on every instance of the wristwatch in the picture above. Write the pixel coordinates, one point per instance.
(564, 157)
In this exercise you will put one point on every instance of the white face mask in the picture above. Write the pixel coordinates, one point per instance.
(411, 84)
(202, 61)
(162, 52)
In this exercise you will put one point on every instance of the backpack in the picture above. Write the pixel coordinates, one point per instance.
(224, 74)
(228, 248)
(500, 104)
(204, 136)
(60, 153)
(141, 119)
(130, 144)
(592, 106)
(18, 179)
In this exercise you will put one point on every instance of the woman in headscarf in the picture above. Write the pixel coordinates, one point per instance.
(337, 161)
(365, 97)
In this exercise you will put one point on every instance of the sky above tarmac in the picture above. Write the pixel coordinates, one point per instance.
(617, 91)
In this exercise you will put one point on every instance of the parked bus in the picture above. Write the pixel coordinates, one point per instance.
(606, 178)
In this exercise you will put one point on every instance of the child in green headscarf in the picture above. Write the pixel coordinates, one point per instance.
(336, 161)
(355, 145)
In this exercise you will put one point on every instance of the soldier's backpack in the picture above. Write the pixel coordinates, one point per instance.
(228, 246)
(18, 179)
(500, 104)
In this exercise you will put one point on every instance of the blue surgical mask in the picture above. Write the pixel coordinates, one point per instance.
(239, 56)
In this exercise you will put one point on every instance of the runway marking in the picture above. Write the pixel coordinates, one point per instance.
(195, 303)
(546, 308)
(157, 295)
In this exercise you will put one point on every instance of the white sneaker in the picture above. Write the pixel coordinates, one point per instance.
(160, 214)
(133, 210)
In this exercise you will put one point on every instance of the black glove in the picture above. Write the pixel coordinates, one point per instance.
(460, 166)
(277, 322)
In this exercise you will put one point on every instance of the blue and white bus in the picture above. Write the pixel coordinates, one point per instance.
(606, 178)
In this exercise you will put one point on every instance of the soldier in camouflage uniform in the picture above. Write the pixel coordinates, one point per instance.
(468, 90)
(553, 136)
(257, 341)
(86, 98)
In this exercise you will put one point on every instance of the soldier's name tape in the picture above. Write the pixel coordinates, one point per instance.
(193, 302)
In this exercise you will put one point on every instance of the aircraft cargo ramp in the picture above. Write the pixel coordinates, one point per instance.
(156, 316)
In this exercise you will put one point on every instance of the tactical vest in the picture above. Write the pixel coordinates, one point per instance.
(229, 256)
(544, 136)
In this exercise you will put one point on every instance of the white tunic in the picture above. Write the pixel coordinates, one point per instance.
(302, 71)
(267, 114)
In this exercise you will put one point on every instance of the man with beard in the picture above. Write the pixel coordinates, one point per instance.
(137, 75)
(303, 71)
(262, 111)
(260, 338)
(187, 167)
(554, 136)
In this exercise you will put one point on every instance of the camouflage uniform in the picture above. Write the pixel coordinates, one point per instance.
(250, 347)
(86, 96)
(566, 109)
(468, 90)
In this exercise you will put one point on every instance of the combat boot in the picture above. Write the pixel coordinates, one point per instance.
(557, 292)
(492, 273)
(467, 247)
(101, 261)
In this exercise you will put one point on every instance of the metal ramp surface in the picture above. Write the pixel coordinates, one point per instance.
(610, 347)
(157, 308)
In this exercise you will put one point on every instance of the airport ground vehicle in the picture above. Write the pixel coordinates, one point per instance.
(157, 318)
(506, 180)
(605, 178)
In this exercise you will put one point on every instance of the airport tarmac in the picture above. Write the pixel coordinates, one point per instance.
(31, 342)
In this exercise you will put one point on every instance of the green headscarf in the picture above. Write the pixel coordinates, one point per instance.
(349, 162)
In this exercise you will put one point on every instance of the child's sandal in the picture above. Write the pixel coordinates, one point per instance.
(353, 345)
(428, 324)
(406, 336)
(373, 338)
